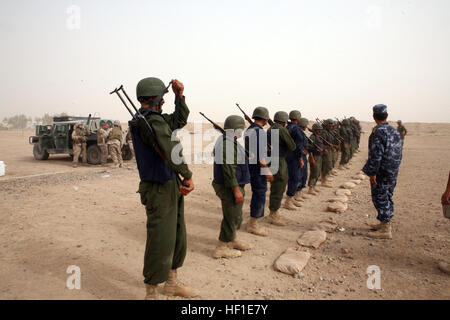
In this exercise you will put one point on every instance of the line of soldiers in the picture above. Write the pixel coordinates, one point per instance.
(109, 141)
(295, 150)
(164, 182)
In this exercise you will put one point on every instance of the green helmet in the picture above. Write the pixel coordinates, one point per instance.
(303, 122)
(281, 116)
(150, 87)
(345, 122)
(295, 115)
(234, 122)
(317, 126)
(261, 112)
(330, 122)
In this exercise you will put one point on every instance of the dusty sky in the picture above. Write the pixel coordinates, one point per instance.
(325, 58)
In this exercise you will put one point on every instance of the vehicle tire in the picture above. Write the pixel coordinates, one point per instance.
(126, 153)
(38, 153)
(94, 154)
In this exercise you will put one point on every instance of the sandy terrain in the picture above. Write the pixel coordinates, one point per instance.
(53, 216)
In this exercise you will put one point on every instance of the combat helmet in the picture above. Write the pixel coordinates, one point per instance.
(345, 122)
(295, 115)
(303, 122)
(234, 122)
(281, 116)
(317, 126)
(150, 87)
(261, 112)
(117, 123)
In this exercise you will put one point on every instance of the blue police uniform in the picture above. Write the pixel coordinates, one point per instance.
(293, 159)
(255, 137)
(385, 156)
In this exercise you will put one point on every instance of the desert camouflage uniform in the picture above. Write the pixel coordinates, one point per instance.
(385, 156)
(79, 145)
(102, 134)
(114, 142)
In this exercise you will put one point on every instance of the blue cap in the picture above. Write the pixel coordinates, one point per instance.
(380, 108)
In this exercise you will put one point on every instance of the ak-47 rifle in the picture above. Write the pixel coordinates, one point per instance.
(249, 120)
(138, 117)
(337, 136)
(222, 131)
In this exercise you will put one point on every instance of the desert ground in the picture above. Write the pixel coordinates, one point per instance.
(53, 216)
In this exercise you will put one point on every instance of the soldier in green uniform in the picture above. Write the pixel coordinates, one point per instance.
(345, 144)
(161, 191)
(231, 174)
(280, 148)
(327, 156)
(402, 130)
(315, 159)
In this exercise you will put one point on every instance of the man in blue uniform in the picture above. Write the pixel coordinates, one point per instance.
(385, 156)
(294, 162)
(256, 143)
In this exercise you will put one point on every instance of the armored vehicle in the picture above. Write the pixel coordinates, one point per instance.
(57, 138)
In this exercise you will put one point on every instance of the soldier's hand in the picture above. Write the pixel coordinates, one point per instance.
(373, 180)
(238, 196)
(186, 190)
(178, 88)
(269, 178)
(302, 164)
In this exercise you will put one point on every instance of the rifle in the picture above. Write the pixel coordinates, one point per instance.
(336, 135)
(222, 131)
(139, 117)
(313, 143)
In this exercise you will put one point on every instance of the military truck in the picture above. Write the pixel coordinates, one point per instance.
(57, 138)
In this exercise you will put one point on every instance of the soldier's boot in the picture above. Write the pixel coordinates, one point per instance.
(347, 166)
(312, 191)
(121, 165)
(341, 167)
(304, 194)
(444, 267)
(384, 232)
(376, 227)
(75, 165)
(152, 293)
(317, 190)
(223, 250)
(327, 184)
(254, 227)
(239, 245)
(289, 204)
(173, 288)
(275, 219)
(299, 196)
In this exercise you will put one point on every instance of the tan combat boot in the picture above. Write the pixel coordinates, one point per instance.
(172, 288)
(289, 204)
(255, 228)
(376, 227)
(326, 183)
(444, 267)
(275, 219)
(341, 167)
(312, 191)
(224, 250)
(383, 232)
(299, 196)
(347, 166)
(239, 245)
(317, 190)
(152, 293)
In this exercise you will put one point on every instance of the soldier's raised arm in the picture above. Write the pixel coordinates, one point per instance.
(178, 119)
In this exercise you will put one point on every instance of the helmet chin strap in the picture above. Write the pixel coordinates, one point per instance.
(158, 100)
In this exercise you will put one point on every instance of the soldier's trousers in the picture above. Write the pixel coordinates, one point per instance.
(294, 176)
(104, 151)
(304, 173)
(345, 157)
(232, 212)
(278, 186)
(115, 152)
(327, 163)
(315, 171)
(335, 157)
(258, 184)
(165, 248)
(79, 149)
(352, 148)
(382, 195)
